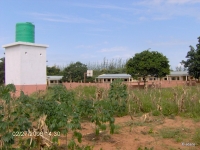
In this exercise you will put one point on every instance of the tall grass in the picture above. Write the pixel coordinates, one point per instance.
(181, 100)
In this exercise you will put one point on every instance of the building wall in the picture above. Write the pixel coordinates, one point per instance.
(25, 65)
(29, 89)
(33, 65)
(106, 85)
(12, 65)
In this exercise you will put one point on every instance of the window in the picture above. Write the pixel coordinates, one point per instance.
(173, 78)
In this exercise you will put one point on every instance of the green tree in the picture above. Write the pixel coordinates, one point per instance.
(74, 72)
(2, 70)
(148, 63)
(193, 61)
(54, 70)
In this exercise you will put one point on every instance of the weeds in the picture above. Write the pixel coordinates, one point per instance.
(172, 133)
(146, 148)
(196, 137)
(117, 129)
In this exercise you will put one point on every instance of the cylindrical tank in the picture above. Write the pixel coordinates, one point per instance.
(25, 32)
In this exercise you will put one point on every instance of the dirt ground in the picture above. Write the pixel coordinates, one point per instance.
(136, 134)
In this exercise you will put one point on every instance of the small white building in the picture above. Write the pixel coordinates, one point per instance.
(25, 63)
(111, 77)
(51, 80)
(174, 75)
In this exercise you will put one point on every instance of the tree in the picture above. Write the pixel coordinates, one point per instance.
(193, 61)
(54, 70)
(2, 70)
(74, 72)
(181, 68)
(148, 63)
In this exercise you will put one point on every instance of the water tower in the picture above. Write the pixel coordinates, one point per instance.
(25, 61)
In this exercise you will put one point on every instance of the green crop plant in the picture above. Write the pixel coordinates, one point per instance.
(118, 95)
(12, 117)
(86, 108)
(62, 115)
(101, 115)
(85, 92)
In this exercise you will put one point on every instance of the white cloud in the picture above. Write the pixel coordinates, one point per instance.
(169, 43)
(85, 46)
(162, 18)
(182, 1)
(123, 53)
(101, 6)
(105, 42)
(143, 18)
(113, 49)
(99, 29)
(164, 2)
(109, 17)
(61, 18)
(123, 56)
(87, 56)
(167, 9)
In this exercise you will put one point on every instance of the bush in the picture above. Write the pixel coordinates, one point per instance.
(118, 97)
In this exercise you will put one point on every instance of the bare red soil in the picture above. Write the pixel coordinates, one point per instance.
(135, 134)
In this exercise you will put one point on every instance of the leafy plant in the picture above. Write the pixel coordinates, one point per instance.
(11, 117)
(101, 115)
(62, 115)
(118, 97)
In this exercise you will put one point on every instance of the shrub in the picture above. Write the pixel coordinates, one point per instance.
(118, 97)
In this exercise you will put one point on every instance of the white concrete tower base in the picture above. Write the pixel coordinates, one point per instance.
(25, 65)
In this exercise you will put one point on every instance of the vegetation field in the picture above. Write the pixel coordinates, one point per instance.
(89, 118)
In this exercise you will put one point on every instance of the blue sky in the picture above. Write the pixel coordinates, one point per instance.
(90, 30)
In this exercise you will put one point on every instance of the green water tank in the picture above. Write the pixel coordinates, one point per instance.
(25, 32)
